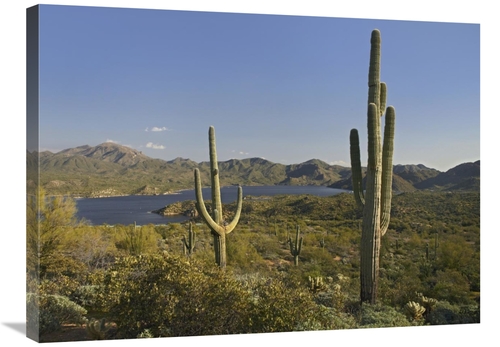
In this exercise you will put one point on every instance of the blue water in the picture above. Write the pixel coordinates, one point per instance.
(137, 208)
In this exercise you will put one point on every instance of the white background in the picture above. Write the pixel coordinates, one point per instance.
(13, 147)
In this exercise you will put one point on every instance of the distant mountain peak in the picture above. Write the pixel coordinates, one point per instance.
(410, 167)
(107, 151)
(316, 162)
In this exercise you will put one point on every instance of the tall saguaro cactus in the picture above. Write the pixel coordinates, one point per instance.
(376, 201)
(219, 228)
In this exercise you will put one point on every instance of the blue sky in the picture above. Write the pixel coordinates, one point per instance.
(285, 88)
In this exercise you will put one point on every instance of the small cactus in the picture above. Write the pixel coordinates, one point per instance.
(296, 247)
(190, 241)
(414, 311)
(322, 243)
(316, 284)
(427, 303)
(436, 244)
(97, 329)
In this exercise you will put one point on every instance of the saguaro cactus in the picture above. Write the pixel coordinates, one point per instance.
(190, 241)
(316, 284)
(376, 202)
(296, 247)
(219, 228)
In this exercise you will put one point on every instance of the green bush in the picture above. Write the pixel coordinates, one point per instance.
(279, 306)
(451, 286)
(242, 255)
(380, 316)
(85, 296)
(447, 313)
(171, 296)
(49, 312)
(136, 240)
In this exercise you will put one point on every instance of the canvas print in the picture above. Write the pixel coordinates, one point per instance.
(201, 173)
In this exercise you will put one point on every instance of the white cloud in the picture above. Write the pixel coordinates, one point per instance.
(112, 141)
(154, 146)
(158, 129)
(340, 163)
(240, 152)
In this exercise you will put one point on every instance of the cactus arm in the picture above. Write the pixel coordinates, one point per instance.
(300, 245)
(200, 205)
(292, 249)
(357, 185)
(383, 98)
(298, 242)
(185, 244)
(230, 227)
(387, 155)
(192, 237)
(297, 233)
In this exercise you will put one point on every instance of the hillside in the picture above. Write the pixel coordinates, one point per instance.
(405, 178)
(111, 169)
(463, 176)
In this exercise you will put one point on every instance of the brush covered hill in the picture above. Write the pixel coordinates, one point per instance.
(465, 176)
(404, 178)
(111, 169)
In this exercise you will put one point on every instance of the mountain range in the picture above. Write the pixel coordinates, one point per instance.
(111, 169)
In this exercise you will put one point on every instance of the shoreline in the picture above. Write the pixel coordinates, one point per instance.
(180, 191)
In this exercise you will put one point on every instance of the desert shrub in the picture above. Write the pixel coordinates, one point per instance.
(269, 245)
(398, 282)
(454, 253)
(319, 260)
(284, 304)
(171, 296)
(447, 313)
(93, 246)
(380, 316)
(49, 312)
(47, 220)
(334, 292)
(85, 296)
(470, 313)
(241, 253)
(136, 240)
(62, 285)
(327, 318)
(146, 334)
(452, 286)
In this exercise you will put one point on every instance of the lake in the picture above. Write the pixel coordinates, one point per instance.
(137, 208)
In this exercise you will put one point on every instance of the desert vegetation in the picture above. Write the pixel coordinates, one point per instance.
(138, 281)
